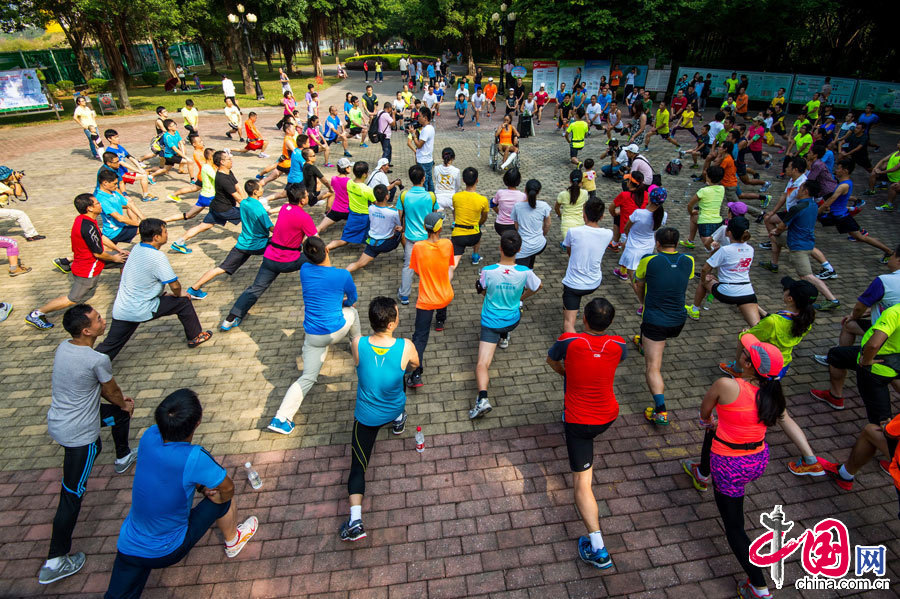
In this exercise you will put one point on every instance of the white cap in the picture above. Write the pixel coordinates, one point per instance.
(344, 162)
(633, 148)
(381, 162)
(490, 78)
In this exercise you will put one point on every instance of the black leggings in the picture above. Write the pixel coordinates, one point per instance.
(529, 260)
(732, 511)
(361, 444)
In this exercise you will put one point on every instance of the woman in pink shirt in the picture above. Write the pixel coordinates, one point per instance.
(289, 105)
(338, 207)
(317, 141)
(503, 201)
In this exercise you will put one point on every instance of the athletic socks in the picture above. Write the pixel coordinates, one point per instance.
(180, 241)
(596, 540)
(659, 401)
(842, 472)
(482, 395)
(695, 308)
(827, 265)
(53, 562)
(234, 540)
(355, 513)
(809, 459)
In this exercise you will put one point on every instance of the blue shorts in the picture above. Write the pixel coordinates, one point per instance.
(232, 215)
(356, 229)
(374, 247)
(707, 229)
(492, 335)
(203, 201)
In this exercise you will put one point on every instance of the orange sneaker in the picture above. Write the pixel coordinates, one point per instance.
(801, 468)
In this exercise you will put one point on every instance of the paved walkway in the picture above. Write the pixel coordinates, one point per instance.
(487, 509)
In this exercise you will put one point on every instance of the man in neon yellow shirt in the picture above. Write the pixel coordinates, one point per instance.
(661, 126)
(731, 84)
(357, 126)
(360, 196)
(887, 168)
(812, 107)
(575, 134)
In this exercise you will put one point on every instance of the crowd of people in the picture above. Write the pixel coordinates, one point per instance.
(440, 214)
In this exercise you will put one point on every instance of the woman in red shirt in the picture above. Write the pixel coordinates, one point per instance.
(541, 98)
(625, 203)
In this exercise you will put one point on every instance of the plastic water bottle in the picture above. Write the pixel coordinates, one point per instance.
(420, 440)
(709, 301)
(253, 476)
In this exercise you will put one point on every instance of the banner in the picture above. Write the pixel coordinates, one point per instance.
(885, 95)
(806, 85)
(21, 90)
(762, 85)
(594, 70)
(544, 72)
(639, 79)
(657, 80)
(567, 71)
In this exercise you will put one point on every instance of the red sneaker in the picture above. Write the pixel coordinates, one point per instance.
(885, 466)
(832, 470)
(825, 396)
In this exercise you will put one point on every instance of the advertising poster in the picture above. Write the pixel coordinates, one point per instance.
(885, 95)
(762, 85)
(640, 78)
(806, 85)
(657, 80)
(544, 72)
(567, 70)
(594, 70)
(21, 90)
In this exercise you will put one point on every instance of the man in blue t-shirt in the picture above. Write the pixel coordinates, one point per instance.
(505, 286)
(120, 219)
(334, 130)
(173, 151)
(328, 316)
(161, 527)
(661, 280)
(415, 204)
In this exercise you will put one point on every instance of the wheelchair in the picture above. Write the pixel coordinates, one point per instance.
(496, 156)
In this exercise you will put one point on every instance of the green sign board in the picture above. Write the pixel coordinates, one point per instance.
(762, 85)
(885, 95)
(806, 85)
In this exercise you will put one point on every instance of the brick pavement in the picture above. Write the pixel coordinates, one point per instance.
(242, 375)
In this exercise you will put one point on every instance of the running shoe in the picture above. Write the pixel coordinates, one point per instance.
(123, 466)
(228, 135)
(637, 342)
(731, 369)
(613, 246)
(259, 176)
(622, 275)
(869, 192)
(200, 339)
(765, 187)
(414, 380)
(660, 418)
(691, 467)
(263, 155)
(827, 306)
(476, 258)
(886, 207)
(695, 166)
(694, 314)
(329, 165)
(398, 426)
(364, 145)
(825, 396)
(686, 243)
(696, 178)
(764, 245)
(352, 531)
(599, 559)
(764, 200)
(198, 294)
(768, 265)
(504, 341)
(246, 530)
(348, 154)
(21, 269)
(404, 299)
(283, 427)
(39, 322)
(885, 466)
(62, 264)
(438, 325)
(227, 325)
(885, 258)
(826, 273)
(832, 470)
(180, 247)
(173, 198)
(5, 310)
(149, 198)
(748, 591)
(68, 565)
(482, 407)
(821, 359)
(801, 468)
(639, 311)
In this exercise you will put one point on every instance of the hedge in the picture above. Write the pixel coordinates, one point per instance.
(151, 78)
(66, 85)
(98, 85)
(391, 61)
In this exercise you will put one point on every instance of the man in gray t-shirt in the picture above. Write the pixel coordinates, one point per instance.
(81, 376)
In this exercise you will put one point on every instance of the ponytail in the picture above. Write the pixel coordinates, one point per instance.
(770, 403)
(532, 189)
(803, 321)
(575, 186)
(658, 215)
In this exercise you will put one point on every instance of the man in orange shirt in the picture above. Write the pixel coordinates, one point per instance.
(255, 139)
(742, 100)
(490, 91)
(431, 259)
(729, 181)
(615, 75)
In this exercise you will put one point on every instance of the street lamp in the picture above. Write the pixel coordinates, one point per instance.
(244, 23)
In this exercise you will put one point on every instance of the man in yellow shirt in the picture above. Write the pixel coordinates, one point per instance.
(575, 134)
(661, 126)
(470, 211)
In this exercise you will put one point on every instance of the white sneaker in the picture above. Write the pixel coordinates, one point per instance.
(482, 407)
(246, 530)
(504, 341)
(69, 564)
(5, 309)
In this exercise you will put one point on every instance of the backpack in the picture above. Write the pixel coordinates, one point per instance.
(674, 167)
(375, 136)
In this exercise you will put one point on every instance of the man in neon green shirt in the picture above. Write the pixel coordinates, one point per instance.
(887, 168)
(575, 134)
(812, 107)
(731, 83)
(357, 126)
(661, 126)
(360, 196)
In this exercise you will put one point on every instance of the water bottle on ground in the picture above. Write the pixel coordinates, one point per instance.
(420, 440)
(253, 476)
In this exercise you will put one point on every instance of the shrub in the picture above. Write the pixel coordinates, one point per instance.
(98, 85)
(52, 89)
(151, 78)
(66, 85)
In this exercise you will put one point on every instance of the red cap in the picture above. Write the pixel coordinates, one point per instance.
(766, 358)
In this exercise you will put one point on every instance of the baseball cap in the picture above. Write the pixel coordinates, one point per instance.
(658, 195)
(633, 148)
(830, 116)
(381, 162)
(344, 163)
(434, 221)
(490, 78)
(737, 208)
(766, 358)
(803, 292)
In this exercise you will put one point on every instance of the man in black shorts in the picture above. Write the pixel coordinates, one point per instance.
(385, 230)
(224, 206)
(470, 211)
(588, 361)
(858, 148)
(313, 177)
(661, 280)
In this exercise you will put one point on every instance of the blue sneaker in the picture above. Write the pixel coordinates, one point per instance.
(39, 321)
(765, 187)
(227, 326)
(364, 145)
(404, 299)
(196, 293)
(259, 177)
(352, 531)
(599, 559)
(180, 247)
(476, 258)
(285, 427)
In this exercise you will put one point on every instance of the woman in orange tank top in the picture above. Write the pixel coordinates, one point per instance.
(734, 451)
(507, 137)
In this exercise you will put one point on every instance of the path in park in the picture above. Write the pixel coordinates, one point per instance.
(487, 509)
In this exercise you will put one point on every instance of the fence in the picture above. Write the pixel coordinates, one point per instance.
(61, 64)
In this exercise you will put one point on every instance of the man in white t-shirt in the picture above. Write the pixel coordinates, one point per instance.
(478, 100)
(594, 113)
(421, 141)
(403, 66)
(429, 98)
(796, 171)
(228, 89)
(379, 177)
(585, 246)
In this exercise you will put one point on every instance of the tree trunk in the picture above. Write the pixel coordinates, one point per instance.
(168, 63)
(114, 61)
(336, 38)
(240, 51)
(315, 54)
(287, 49)
(74, 33)
(210, 58)
(127, 49)
(467, 50)
(227, 54)
(267, 51)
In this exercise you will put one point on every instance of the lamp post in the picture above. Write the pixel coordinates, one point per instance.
(245, 23)
(505, 24)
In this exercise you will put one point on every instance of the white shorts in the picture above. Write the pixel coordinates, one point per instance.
(445, 201)
(631, 255)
